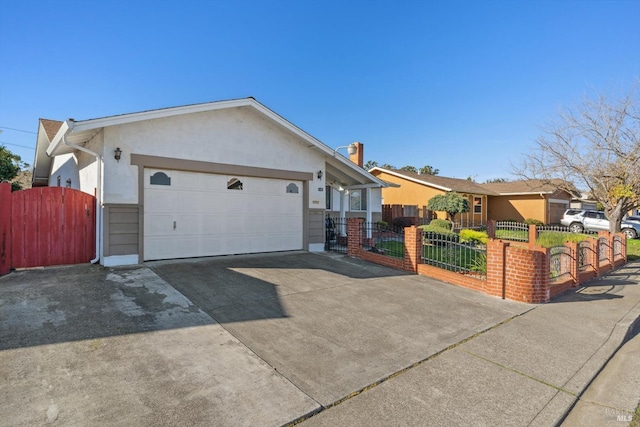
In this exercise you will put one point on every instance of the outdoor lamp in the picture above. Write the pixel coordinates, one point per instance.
(319, 174)
(351, 149)
(118, 154)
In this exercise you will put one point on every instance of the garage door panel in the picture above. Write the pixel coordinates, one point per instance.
(214, 220)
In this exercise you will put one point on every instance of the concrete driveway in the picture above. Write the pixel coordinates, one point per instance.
(249, 340)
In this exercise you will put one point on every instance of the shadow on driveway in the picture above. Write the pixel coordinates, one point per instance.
(55, 305)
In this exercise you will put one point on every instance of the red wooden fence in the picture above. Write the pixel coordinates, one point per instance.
(45, 226)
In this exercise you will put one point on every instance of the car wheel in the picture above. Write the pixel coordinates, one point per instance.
(630, 233)
(576, 227)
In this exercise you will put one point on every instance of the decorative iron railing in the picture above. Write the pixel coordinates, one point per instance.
(447, 252)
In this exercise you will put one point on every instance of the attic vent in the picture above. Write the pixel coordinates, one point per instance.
(292, 188)
(160, 178)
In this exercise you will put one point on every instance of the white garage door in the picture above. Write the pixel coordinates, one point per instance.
(195, 214)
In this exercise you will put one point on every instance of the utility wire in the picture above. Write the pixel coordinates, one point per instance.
(17, 145)
(18, 130)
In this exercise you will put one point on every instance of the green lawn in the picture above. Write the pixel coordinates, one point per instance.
(392, 248)
(457, 255)
(633, 249)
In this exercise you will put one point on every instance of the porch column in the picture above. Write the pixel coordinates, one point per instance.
(368, 217)
(343, 202)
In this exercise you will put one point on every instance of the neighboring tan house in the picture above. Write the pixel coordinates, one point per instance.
(227, 177)
(520, 200)
(416, 189)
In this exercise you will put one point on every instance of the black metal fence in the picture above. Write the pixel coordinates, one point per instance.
(509, 230)
(449, 253)
(335, 235)
(380, 238)
(560, 262)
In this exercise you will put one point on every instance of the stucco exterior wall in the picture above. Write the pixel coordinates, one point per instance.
(518, 208)
(238, 136)
(413, 193)
(64, 168)
(409, 193)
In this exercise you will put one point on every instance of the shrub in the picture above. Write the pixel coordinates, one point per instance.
(403, 221)
(439, 233)
(474, 236)
(441, 223)
(382, 225)
(532, 221)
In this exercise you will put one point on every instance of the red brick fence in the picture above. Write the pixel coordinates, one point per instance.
(515, 271)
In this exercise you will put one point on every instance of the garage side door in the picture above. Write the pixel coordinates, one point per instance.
(195, 214)
(556, 210)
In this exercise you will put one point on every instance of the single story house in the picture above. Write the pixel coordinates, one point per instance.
(410, 188)
(520, 200)
(226, 177)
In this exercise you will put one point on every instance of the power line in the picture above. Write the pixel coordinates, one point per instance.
(18, 130)
(17, 145)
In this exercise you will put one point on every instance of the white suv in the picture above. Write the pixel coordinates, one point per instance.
(579, 220)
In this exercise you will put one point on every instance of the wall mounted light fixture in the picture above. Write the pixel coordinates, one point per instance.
(320, 174)
(118, 154)
(351, 149)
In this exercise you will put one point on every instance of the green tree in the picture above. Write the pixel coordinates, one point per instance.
(452, 203)
(387, 166)
(10, 165)
(409, 169)
(596, 147)
(495, 180)
(370, 164)
(429, 170)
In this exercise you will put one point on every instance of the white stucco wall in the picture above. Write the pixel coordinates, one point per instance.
(239, 136)
(64, 167)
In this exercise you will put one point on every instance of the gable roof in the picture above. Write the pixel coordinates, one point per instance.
(527, 186)
(72, 134)
(50, 127)
(47, 130)
(440, 182)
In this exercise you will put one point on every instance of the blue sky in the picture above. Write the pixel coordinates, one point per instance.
(459, 85)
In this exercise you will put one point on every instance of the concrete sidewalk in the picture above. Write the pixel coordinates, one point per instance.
(528, 371)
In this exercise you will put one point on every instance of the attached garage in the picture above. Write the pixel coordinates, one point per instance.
(220, 178)
(197, 214)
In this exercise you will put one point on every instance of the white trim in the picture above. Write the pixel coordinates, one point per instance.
(563, 201)
(408, 178)
(117, 260)
(532, 193)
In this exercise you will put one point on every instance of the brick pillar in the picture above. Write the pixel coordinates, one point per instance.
(354, 236)
(496, 250)
(491, 228)
(533, 235)
(412, 248)
(574, 260)
(5, 228)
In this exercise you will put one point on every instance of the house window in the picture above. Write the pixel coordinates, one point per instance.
(477, 205)
(358, 200)
(292, 188)
(234, 184)
(328, 196)
(160, 178)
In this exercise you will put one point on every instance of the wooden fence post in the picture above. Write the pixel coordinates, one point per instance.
(5, 228)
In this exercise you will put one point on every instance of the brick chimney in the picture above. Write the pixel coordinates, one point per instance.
(358, 157)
